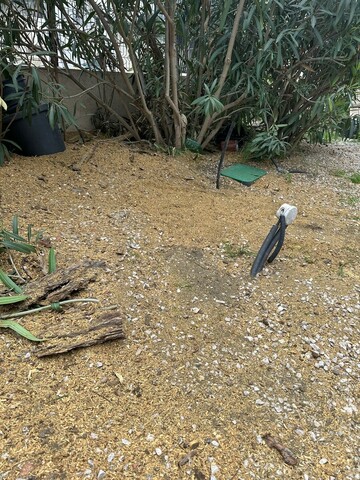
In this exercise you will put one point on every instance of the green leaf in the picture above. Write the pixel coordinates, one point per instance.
(52, 116)
(15, 76)
(318, 36)
(52, 260)
(29, 232)
(12, 235)
(12, 299)
(224, 13)
(6, 280)
(20, 330)
(248, 17)
(15, 225)
(198, 101)
(193, 145)
(268, 44)
(36, 78)
(352, 12)
(40, 53)
(19, 247)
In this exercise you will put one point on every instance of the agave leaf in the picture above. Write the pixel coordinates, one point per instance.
(20, 330)
(12, 299)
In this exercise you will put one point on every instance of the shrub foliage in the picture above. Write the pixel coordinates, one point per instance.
(283, 69)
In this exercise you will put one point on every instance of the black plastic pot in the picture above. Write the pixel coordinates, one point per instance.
(34, 137)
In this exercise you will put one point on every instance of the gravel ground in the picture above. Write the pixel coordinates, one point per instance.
(221, 376)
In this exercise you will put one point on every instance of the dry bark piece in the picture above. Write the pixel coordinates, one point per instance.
(187, 458)
(61, 284)
(286, 454)
(105, 327)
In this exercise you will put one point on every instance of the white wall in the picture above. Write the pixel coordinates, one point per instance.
(83, 105)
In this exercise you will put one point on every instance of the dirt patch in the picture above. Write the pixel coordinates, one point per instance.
(214, 362)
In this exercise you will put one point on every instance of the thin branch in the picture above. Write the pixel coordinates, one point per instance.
(114, 42)
(171, 75)
(227, 62)
(165, 12)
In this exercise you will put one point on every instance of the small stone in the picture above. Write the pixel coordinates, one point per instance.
(124, 441)
(323, 461)
(195, 310)
(158, 451)
(101, 474)
(281, 309)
